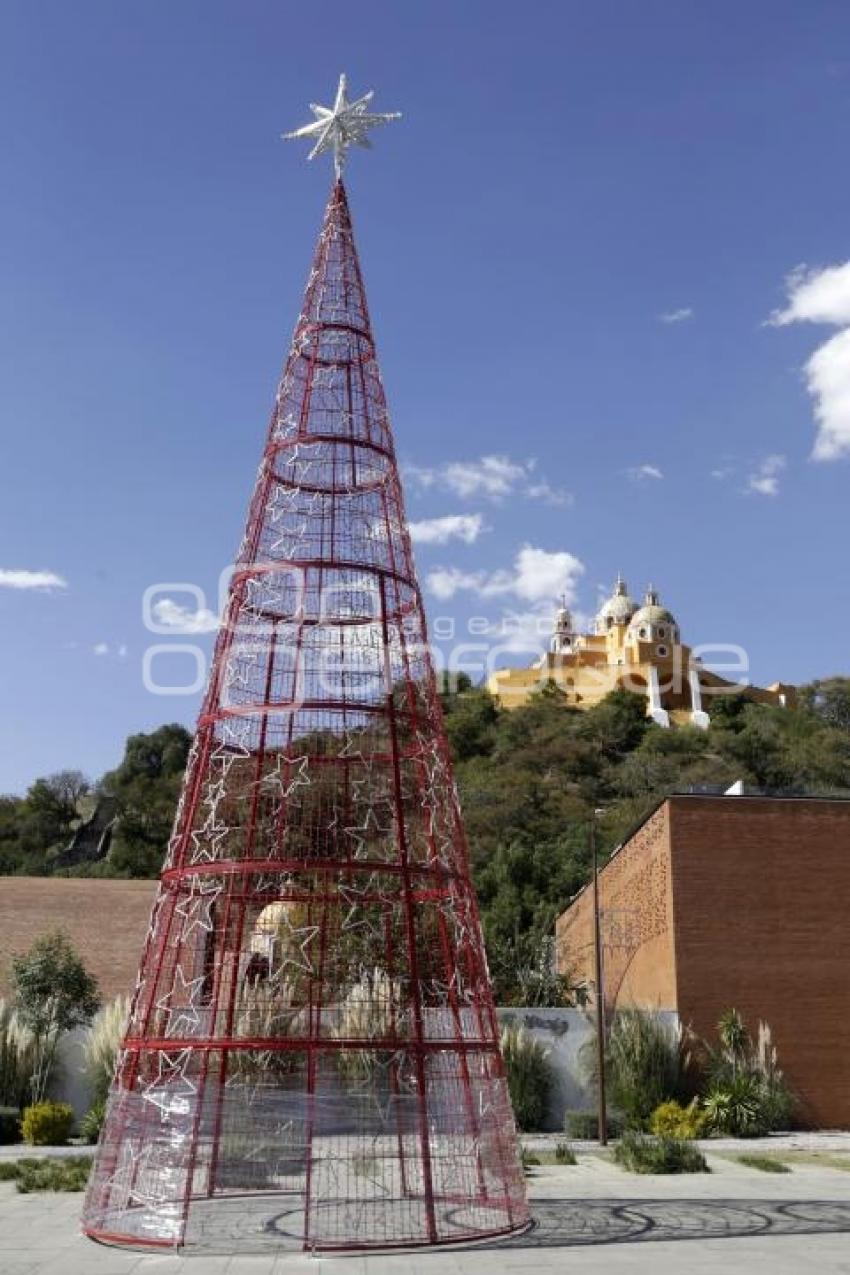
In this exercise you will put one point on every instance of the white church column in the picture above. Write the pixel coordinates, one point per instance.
(656, 712)
(698, 716)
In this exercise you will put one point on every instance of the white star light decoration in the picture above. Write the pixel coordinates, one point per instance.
(342, 125)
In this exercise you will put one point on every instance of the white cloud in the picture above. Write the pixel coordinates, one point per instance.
(445, 582)
(529, 632)
(676, 316)
(421, 475)
(173, 616)
(549, 495)
(537, 576)
(104, 648)
(17, 579)
(438, 531)
(491, 477)
(816, 296)
(523, 632)
(541, 575)
(764, 481)
(828, 382)
(823, 296)
(639, 472)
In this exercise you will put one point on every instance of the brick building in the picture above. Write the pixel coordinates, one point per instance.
(734, 901)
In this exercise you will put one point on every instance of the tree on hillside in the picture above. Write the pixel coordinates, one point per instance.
(470, 726)
(146, 787)
(10, 835)
(48, 814)
(829, 700)
(618, 722)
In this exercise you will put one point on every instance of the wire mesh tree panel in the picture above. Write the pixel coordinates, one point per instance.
(312, 1055)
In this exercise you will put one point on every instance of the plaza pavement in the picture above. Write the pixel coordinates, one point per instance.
(592, 1217)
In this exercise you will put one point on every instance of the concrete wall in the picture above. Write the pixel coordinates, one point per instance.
(563, 1032)
(69, 1083)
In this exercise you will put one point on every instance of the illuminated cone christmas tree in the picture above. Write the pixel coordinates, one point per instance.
(312, 1056)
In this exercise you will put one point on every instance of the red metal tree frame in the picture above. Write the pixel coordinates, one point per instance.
(312, 1057)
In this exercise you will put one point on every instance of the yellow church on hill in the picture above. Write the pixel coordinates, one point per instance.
(636, 648)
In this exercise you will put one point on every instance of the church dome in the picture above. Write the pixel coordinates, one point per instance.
(653, 622)
(618, 609)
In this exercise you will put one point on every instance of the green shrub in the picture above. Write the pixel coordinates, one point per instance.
(736, 1109)
(47, 1124)
(48, 1173)
(54, 993)
(529, 1076)
(763, 1162)
(640, 1153)
(645, 1064)
(564, 1153)
(53, 1174)
(583, 1125)
(10, 1125)
(672, 1120)
(92, 1121)
(528, 1159)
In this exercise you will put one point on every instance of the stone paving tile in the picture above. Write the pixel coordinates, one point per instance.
(593, 1218)
(251, 1264)
(306, 1264)
(81, 1261)
(440, 1262)
(172, 1264)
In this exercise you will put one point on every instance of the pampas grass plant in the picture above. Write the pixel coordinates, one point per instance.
(18, 1058)
(103, 1040)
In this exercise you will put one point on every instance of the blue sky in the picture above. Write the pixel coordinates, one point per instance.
(562, 179)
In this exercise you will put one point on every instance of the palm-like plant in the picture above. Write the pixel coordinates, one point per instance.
(747, 1093)
(734, 1040)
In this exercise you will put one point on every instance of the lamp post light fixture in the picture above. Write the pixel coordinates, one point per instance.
(600, 997)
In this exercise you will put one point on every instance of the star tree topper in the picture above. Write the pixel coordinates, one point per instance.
(342, 125)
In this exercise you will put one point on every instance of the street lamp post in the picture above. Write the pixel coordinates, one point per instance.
(600, 998)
